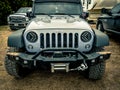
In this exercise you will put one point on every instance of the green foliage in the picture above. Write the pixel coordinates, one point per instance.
(16, 4)
(5, 9)
(7, 6)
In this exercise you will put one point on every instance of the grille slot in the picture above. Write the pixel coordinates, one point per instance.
(53, 40)
(42, 40)
(76, 36)
(59, 40)
(47, 40)
(70, 39)
(65, 40)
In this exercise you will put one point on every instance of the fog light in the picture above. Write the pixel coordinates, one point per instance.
(25, 62)
(16, 58)
(93, 61)
(101, 57)
(87, 46)
(30, 47)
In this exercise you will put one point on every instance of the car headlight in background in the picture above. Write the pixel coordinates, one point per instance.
(86, 36)
(32, 37)
(8, 19)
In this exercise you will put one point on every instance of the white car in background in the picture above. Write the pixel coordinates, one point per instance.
(19, 19)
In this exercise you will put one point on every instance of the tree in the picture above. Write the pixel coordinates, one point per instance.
(16, 4)
(7, 6)
(5, 9)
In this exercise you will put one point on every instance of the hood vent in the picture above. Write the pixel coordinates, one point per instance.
(46, 20)
(71, 20)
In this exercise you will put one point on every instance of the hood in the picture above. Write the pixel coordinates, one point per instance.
(18, 14)
(58, 22)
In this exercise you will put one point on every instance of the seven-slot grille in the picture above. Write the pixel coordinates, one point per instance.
(59, 40)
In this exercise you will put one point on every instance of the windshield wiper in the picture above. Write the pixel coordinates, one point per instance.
(43, 14)
(64, 14)
(60, 13)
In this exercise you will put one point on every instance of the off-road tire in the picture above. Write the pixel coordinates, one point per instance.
(100, 27)
(96, 72)
(13, 68)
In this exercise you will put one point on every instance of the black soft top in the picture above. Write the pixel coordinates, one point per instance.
(70, 1)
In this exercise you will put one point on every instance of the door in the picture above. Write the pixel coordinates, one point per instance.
(116, 15)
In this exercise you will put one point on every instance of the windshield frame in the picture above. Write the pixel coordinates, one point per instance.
(80, 6)
(113, 11)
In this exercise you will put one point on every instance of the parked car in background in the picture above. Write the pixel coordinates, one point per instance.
(19, 19)
(110, 20)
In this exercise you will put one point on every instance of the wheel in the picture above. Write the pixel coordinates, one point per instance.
(97, 71)
(100, 27)
(12, 68)
(15, 69)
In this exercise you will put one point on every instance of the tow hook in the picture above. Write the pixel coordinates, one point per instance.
(82, 67)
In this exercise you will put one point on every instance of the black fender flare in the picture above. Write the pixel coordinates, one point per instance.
(16, 39)
(101, 39)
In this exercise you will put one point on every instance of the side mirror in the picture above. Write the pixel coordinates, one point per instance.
(85, 15)
(29, 14)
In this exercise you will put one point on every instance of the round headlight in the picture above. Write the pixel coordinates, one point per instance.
(86, 36)
(32, 37)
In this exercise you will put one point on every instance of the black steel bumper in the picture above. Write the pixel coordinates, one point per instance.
(92, 57)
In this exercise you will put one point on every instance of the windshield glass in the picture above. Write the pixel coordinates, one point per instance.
(23, 10)
(116, 9)
(57, 8)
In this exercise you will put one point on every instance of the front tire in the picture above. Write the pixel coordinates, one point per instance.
(96, 72)
(13, 68)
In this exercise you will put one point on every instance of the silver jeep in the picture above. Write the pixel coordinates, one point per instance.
(58, 37)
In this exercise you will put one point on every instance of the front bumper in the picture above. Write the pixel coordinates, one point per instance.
(17, 25)
(95, 57)
(81, 62)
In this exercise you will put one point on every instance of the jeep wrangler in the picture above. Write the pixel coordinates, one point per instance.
(58, 38)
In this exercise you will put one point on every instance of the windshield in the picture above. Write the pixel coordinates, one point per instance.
(116, 9)
(57, 8)
(23, 10)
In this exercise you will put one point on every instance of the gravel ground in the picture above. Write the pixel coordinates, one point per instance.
(44, 80)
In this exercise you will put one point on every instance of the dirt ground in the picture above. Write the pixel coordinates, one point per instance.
(44, 80)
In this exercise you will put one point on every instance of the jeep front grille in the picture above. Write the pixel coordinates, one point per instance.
(59, 40)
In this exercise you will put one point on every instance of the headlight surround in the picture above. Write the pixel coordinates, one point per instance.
(86, 36)
(32, 37)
